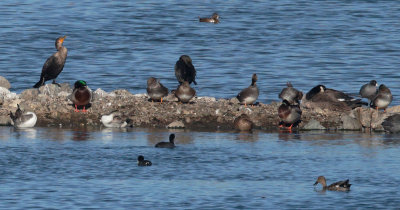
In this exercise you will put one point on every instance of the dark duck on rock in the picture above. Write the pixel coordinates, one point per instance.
(249, 95)
(289, 114)
(54, 64)
(184, 70)
(337, 186)
(156, 90)
(382, 99)
(169, 144)
(369, 90)
(185, 93)
(291, 94)
(81, 95)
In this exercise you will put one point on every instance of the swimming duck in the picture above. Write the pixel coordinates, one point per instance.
(332, 99)
(114, 120)
(184, 92)
(156, 90)
(382, 99)
(23, 120)
(392, 123)
(54, 64)
(369, 90)
(81, 95)
(337, 186)
(184, 70)
(169, 144)
(142, 162)
(249, 95)
(243, 123)
(290, 114)
(291, 94)
(214, 19)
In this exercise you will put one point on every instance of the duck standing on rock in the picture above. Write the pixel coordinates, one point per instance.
(369, 90)
(114, 120)
(382, 99)
(184, 70)
(81, 95)
(249, 95)
(184, 92)
(169, 144)
(23, 120)
(290, 114)
(291, 94)
(243, 123)
(156, 90)
(337, 186)
(54, 64)
(213, 19)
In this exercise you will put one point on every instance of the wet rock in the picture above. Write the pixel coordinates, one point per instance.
(29, 94)
(176, 124)
(350, 123)
(5, 120)
(4, 83)
(370, 118)
(313, 125)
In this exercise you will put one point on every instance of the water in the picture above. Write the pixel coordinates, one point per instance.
(60, 168)
(119, 44)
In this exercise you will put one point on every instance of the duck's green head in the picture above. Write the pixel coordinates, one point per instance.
(80, 83)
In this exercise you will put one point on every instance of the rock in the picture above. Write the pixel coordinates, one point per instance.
(29, 94)
(5, 120)
(206, 99)
(1, 100)
(313, 125)
(370, 118)
(350, 123)
(4, 83)
(170, 97)
(234, 100)
(99, 94)
(54, 89)
(122, 93)
(176, 124)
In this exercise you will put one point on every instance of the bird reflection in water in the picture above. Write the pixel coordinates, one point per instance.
(80, 135)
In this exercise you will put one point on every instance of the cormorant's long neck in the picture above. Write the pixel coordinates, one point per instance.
(253, 82)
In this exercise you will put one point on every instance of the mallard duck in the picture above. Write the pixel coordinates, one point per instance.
(54, 64)
(337, 186)
(23, 120)
(156, 90)
(291, 94)
(142, 161)
(290, 114)
(382, 99)
(114, 120)
(213, 19)
(332, 99)
(249, 95)
(169, 144)
(184, 92)
(392, 123)
(81, 95)
(184, 70)
(243, 123)
(369, 90)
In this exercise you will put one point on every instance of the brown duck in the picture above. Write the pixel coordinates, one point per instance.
(337, 186)
(156, 90)
(184, 92)
(243, 123)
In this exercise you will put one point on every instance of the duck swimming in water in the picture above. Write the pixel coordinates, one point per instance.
(243, 123)
(156, 90)
(291, 94)
(54, 64)
(81, 95)
(337, 186)
(382, 99)
(143, 162)
(249, 95)
(169, 144)
(23, 120)
(213, 19)
(184, 70)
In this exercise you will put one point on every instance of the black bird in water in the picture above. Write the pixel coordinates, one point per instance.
(184, 70)
(143, 162)
(54, 64)
(170, 144)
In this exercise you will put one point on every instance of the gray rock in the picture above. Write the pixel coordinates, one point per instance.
(350, 123)
(4, 83)
(370, 118)
(5, 120)
(176, 124)
(234, 100)
(1, 100)
(53, 89)
(29, 94)
(313, 125)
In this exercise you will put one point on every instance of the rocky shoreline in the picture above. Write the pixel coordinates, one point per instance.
(53, 108)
